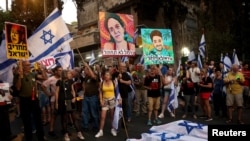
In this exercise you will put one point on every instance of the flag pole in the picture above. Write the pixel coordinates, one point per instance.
(125, 127)
(80, 54)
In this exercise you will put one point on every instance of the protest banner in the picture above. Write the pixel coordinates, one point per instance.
(157, 46)
(16, 41)
(4, 94)
(116, 34)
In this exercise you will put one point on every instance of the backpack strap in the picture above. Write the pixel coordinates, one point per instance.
(113, 85)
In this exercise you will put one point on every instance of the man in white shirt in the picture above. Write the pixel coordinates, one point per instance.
(194, 73)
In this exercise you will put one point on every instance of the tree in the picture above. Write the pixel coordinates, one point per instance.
(5, 16)
(223, 22)
(31, 12)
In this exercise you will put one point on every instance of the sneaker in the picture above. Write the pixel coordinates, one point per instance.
(194, 116)
(184, 116)
(34, 131)
(209, 119)
(172, 114)
(66, 137)
(157, 121)
(149, 123)
(129, 119)
(161, 115)
(203, 116)
(80, 136)
(99, 134)
(113, 132)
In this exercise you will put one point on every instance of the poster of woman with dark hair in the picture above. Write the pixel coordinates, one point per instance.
(116, 32)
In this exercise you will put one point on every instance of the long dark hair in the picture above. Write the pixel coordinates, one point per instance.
(64, 74)
(117, 18)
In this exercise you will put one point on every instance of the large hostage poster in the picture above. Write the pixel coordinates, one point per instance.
(157, 46)
(16, 41)
(116, 34)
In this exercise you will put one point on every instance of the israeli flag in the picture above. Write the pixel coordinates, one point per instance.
(6, 65)
(235, 59)
(221, 57)
(183, 127)
(50, 37)
(92, 60)
(118, 108)
(178, 68)
(202, 46)
(173, 101)
(191, 56)
(65, 59)
(199, 62)
(124, 59)
(227, 63)
(142, 60)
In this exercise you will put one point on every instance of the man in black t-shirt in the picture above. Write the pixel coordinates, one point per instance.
(153, 84)
(124, 83)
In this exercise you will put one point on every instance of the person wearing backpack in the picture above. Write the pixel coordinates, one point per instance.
(107, 101)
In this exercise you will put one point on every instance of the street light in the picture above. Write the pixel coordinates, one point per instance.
(185, 51)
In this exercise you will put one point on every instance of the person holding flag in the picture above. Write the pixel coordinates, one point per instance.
(90, 102)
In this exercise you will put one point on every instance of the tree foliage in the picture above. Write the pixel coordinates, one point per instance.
(223, 22)
(5, 16)
(31, 12)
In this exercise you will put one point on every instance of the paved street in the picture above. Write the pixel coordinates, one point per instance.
(135, 127)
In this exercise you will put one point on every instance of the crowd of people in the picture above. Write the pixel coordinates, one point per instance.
(88, 92)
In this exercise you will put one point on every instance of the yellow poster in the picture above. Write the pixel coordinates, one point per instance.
(16, 41)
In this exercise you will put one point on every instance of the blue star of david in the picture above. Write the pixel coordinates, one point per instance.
(47, 37)
(191, 127)
(164, 138)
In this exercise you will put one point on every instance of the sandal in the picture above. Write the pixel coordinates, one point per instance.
(229, 121)
(240, 122)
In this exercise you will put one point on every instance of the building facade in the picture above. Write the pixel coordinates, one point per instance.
(146, 13)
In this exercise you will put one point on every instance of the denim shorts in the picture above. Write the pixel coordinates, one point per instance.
(44, 99)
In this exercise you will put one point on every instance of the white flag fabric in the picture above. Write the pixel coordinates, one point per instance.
(49, 37)
(235, 59)
(169, 136)
(202, 46)
(180, 130)
(124, 59)
(92, 59)
(199, 62)
(178, 68)
(227, 63)
(142, 60)
(65, 59)
(183, 127)
(191, 56)
(221, 57)
(173, 100)
(118, 108)
(6, 65)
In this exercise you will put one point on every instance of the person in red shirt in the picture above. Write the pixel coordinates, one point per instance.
(246, 73)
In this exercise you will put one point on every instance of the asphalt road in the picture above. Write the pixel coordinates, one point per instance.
(135, 128)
